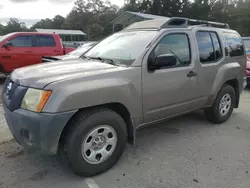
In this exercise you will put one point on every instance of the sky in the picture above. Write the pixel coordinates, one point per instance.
(31, 11)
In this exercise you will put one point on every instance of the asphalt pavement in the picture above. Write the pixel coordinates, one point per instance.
(186, 152)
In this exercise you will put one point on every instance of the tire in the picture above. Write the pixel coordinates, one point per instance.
(213, 113)
(85, 126)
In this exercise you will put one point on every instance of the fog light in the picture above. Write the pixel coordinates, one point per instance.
(27, 137)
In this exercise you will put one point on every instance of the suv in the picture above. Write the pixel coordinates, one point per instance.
(152, 70)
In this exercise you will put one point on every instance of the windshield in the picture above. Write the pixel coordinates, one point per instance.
(2, 38)
(247, 45)
(124, 47)
(81, 50)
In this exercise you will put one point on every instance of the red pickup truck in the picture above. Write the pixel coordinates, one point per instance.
(27, 48)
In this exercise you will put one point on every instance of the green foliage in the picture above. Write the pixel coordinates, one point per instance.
(13, 25)
(55, 23)
(94, 16)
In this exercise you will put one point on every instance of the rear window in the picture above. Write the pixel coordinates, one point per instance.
(235, 44)
(45, 40)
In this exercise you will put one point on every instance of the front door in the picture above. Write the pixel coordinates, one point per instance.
(171, 90)
(19, 54)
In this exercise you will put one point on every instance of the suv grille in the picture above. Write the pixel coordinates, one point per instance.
(13, 94)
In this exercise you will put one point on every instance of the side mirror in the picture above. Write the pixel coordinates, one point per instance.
(164, 60)
(7, 44)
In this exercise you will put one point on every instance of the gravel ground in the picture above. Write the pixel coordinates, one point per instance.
(185, 152)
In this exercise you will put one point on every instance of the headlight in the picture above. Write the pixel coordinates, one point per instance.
(35, 99)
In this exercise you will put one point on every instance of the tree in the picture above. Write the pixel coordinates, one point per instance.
(56, 23)
(44, 23)
(2, 29)
(94, 16)
(14, 25)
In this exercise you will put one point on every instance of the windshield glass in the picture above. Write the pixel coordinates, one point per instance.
(82, 49)
(247, 45)
(124, 47)
(2, 38)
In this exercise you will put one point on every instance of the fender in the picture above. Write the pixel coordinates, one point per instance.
(89, 93)
(225, 73)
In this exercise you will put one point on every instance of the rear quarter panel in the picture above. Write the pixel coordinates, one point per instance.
(232, 68)
(212, 75)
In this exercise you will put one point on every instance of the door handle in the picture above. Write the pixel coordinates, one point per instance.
(6, 57)
(28, 51)
(191, 74)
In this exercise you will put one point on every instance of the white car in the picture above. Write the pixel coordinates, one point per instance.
(72, 55)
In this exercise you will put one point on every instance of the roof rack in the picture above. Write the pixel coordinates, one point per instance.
(186, 22)
(208, 23)
(174, 22)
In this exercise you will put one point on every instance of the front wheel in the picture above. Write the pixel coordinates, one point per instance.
(223, 106)
(95, 142)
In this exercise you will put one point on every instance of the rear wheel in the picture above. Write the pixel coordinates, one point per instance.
(223, 106)
(96, 142)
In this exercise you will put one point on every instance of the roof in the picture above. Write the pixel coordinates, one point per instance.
(61, 31)
(129, 16)
(174, 22)
(148, 24)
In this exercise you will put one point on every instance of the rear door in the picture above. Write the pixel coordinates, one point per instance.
(20, 54)
(211, 58)
(45, 46)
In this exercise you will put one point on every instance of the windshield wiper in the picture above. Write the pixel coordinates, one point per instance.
(84, 57)
(109, 61)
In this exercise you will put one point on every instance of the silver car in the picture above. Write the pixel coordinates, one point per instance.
(88, 108)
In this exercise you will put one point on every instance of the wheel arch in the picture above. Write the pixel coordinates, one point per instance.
(232, 82)
(235, 84)
(119, 108)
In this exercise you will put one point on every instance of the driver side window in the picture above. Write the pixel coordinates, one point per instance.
(177, 45)
(22, 41)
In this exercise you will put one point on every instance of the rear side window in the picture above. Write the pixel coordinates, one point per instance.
(45, 41)
(235, 44)
(209, 46)
(247, 44)
(22, 41)
(216, 44)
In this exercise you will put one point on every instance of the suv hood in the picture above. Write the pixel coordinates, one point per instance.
(38, 76)
(60, 57)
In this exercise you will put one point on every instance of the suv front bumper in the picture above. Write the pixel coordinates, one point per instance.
(37, 130)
